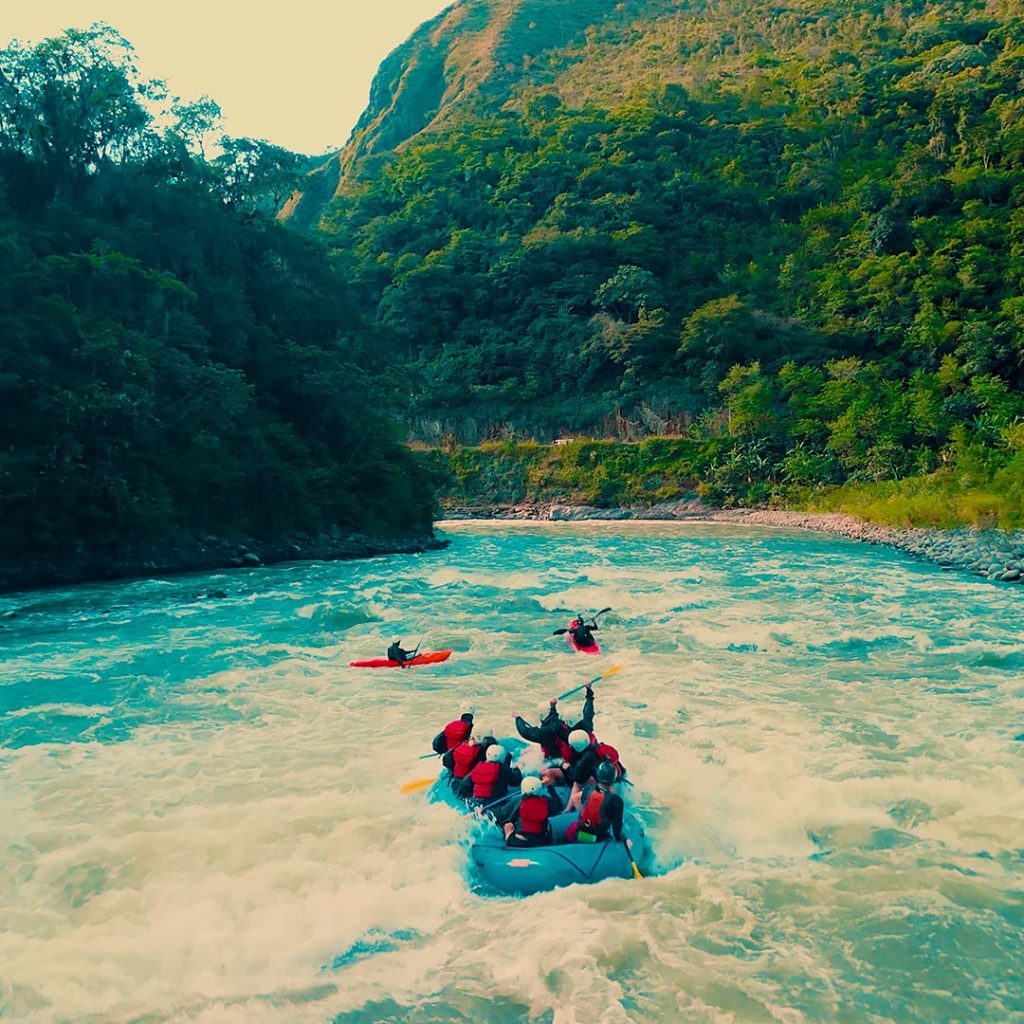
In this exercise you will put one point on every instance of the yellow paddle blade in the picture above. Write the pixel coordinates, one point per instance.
(411, 787)
(612, 671)
(636, 870)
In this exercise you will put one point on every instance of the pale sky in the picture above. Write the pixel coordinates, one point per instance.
(296, 73)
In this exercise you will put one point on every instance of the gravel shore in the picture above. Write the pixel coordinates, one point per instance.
(992, 554)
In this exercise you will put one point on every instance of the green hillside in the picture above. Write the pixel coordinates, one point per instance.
(794, 225)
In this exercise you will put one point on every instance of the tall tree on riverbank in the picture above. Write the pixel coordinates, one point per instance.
(170, 359)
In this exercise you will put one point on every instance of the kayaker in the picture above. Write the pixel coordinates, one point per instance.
(396, 652)
(601, 813)
(530, 825)
(491, 777)
(455, 732)
(581, 632)
(553, 731)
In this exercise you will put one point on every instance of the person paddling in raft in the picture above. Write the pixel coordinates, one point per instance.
(601, 813)
(581, 632)
(460, 760)
(530, 824)
(492, 776)
(455, 732)
(396, 652)
(588, 754)
(553, 731)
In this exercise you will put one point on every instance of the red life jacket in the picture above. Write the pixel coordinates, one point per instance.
(607, 750)
(484, 776)
(562, 750)
(464, 758)
(591, 819)
(533, 815)
(455, 732)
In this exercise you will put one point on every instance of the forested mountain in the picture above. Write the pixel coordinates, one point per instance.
(795, 223)
(171, 360)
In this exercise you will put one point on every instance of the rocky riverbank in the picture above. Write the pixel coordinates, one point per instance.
(201, 553)
(992, 554)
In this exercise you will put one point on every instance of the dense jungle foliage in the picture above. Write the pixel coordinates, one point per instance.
(795, 226)
(170, 358)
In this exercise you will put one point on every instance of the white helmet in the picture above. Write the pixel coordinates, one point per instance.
(531, 785)
(579, 740)
(495, 752)
(465, 708)
(481, 732)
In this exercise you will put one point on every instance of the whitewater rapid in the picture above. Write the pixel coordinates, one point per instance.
(200, 816)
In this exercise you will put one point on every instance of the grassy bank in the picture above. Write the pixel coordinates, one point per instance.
(979, 487)
(582, 472)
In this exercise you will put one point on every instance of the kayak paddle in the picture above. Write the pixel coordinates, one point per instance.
(596, 679)
(593, 619)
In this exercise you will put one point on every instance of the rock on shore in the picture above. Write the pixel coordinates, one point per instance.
(993, 554)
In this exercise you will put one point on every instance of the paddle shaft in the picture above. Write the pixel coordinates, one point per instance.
(593, 619)
(594, 681)
(629, 853)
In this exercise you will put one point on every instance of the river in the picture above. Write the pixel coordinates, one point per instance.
(200, 816)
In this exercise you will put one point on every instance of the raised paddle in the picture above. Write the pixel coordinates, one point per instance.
(629, 854)
(593, 619)
(594, 681)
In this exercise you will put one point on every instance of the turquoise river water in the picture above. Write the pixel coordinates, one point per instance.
(200, 816)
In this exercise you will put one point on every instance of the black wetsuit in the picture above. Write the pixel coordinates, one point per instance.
(583, 635)
(399, 654)
(581, 771)
(552, 728)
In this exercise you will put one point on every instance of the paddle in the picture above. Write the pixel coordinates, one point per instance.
(593, 619)
(494, 803)
(423, 757)
(412, 787)
(593, 682)
(629, 854)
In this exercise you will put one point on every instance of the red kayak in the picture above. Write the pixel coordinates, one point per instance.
(429, 658)
(592, 649)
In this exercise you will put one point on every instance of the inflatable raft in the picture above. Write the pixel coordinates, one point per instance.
(524, 870)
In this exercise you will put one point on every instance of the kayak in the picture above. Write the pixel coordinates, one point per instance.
(524, 870)
(428, 658)
(591, 649)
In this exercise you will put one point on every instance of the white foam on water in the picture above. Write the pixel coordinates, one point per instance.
(821, 749)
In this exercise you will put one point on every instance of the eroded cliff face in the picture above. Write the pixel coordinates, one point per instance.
(474, 58)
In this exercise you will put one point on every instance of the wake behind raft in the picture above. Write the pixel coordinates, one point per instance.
(523, 871)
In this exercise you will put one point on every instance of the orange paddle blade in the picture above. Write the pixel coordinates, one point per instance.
(411, 787)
